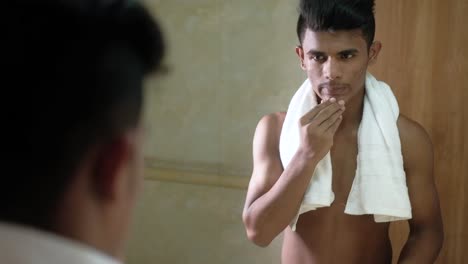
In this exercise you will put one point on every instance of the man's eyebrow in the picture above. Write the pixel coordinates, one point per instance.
(349, 51)
(346, 51)
(315, 52)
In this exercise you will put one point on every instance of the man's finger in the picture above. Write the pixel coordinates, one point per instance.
(326, 113)
(331, 120)
(307, 118)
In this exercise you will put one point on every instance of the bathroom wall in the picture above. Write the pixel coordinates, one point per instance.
(231, 62)
(187, 223)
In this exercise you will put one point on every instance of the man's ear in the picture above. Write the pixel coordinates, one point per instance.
(374, 52)
(300, 54)
(110, 165)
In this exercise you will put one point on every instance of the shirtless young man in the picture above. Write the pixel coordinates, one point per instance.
(336, 48)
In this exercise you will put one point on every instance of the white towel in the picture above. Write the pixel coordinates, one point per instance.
(379, 186)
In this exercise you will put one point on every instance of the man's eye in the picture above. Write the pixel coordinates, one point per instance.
(347, 56)
(318, 58)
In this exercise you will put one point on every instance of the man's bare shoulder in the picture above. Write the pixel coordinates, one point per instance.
(415, 142)
(411, 132)
(267, 134)
(274, 119)
(272, 123)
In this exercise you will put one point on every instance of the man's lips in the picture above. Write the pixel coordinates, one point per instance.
(333, 90)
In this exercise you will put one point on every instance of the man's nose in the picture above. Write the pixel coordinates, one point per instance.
(332, 69)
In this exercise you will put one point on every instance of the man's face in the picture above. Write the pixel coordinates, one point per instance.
(335, 62)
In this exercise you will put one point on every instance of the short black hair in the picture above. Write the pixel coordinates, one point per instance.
(74, 77)
(332, 15)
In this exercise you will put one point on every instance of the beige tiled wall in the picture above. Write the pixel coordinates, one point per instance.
(193, 224)
(231, 63)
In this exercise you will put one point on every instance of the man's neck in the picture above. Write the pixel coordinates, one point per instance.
(80, 218)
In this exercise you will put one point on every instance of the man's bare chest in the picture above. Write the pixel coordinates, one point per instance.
(344, 161)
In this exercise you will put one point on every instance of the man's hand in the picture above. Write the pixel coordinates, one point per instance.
(318, 127)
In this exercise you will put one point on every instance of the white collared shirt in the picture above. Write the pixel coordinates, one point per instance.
(23, 245)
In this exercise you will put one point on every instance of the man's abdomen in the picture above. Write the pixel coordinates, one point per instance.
(328, 236)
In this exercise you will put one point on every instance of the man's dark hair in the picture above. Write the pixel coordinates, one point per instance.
(332, 15)
(73, 78)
